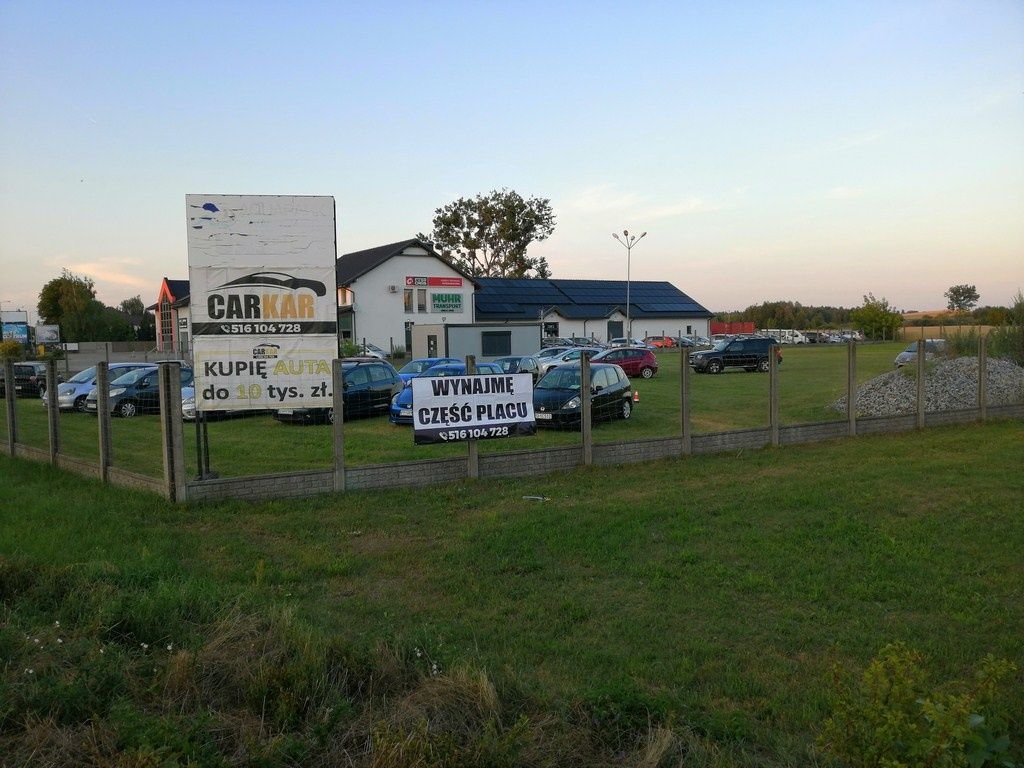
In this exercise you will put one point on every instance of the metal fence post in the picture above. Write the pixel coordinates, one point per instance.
(773, 394)
(920, 383)
(473, 458)
(103, 417)
(586, 425)
(171, 431)
(338, 394)
(52, 411)
(686, 444)
(12, 418)
(851, 387)
(983, 376)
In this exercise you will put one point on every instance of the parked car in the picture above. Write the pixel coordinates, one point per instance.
(525, 364)
(557, 401)
(135, 392)
(635, 362)
(555, 341)
(366, 349)
(547, 352)
(624, 342)
(29, 379)
(583, 341)
(401, 404)
(368, 386)
(750, 353)
(71, 395)
(416, 367)
(660, 342)
(932, 348)
(569, 356)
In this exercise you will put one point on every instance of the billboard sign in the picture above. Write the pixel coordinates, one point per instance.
(439, 282)
(15, 325)
(263, 304)
(445, 302)
(47, 334)
(449, 409)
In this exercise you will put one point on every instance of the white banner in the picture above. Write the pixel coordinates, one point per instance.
(263, 300)
(452, 408)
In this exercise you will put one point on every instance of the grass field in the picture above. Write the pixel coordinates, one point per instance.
(709, 595)
(809, 379)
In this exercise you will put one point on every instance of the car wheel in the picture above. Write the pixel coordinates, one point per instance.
(715, 366)
(763, 366)
(80, 404)
(127, 409)
(647, 372)
(627, 409)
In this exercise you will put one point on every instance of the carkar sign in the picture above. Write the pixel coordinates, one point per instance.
(448, 409)
(263, 300)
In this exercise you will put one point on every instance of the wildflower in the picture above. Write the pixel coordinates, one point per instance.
(29, 671)
(170, 646)
(419, 653)
(101, 649)
(56, 623)
(59, 640)
(145, 647)
(35, 640)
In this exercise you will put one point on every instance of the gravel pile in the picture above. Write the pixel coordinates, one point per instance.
(949, 386)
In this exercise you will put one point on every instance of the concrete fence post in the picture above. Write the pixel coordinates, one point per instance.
(52, 411)
(338, 395)
(920, 382)
(586, 423)
(773, 394)
(686, 444)
(103, 417)
(12, 416)
(982, 377)
(171, 431)
(473, 456)
(851, 388)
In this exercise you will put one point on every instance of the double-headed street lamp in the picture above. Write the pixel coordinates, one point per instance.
(628, 241)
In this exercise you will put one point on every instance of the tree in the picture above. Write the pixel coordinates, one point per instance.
(961, 298)
(876, 318)
(488, 236)
(142, 322)
(70, 302)
(63, 296)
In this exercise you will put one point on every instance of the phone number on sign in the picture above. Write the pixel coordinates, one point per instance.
(260, 328)
(466, 434)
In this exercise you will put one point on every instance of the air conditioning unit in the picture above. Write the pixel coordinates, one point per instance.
(392, 289)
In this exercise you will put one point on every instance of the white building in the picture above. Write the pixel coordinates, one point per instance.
(384, 291)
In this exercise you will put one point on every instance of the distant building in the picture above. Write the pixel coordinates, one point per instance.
(172, 317)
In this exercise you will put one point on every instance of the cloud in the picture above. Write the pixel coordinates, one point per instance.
(607, 198)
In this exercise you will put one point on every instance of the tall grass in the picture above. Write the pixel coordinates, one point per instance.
(1005, 342)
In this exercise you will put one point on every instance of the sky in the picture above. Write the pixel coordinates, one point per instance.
(806, 151)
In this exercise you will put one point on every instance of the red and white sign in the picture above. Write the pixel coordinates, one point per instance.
(442, 282)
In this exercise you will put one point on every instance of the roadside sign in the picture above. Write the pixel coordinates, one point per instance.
(263, 300)
(449, 409)
(47, 334)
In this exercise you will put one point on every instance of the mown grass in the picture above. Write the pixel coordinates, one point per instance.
(707, 596)
(810, 379)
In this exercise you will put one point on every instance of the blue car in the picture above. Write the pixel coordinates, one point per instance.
(416, 367)
(401, 404)
(72, 394)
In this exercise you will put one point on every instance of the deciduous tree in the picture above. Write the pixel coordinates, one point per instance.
(876, 318)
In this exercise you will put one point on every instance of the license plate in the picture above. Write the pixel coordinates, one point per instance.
(90, 406)
(405, 412)
(17, 387)
(543, 415)
(286, 411)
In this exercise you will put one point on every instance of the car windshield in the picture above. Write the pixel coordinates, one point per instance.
(551, 352)
(416, 366)
(84, 377)
(911, 347)
(508, 364)
(721, 345)
(561, 378)
(131, 377)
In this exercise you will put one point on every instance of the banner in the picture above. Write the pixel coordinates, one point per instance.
(263, 300)
(47, 334)
(449, 409)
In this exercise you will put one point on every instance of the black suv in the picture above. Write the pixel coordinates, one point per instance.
(749, 353)
(369, 386)
(29, 379)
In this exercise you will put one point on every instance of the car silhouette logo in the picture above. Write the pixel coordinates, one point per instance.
(276, 280)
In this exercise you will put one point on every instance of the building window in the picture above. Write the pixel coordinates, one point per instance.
(166, 325)
(408, 300)
(550, 329)
(689, 330)
(496, 343)
(421, 299)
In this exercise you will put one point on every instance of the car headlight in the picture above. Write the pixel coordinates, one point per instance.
(574, 403)
(117, 391)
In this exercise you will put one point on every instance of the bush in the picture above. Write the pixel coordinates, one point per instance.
(11, 350)
(1005, 343)
(891, 717)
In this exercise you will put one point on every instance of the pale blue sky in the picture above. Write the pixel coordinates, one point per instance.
(812, 151)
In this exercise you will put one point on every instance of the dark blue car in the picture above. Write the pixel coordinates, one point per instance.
(401, 404)
(417, 367)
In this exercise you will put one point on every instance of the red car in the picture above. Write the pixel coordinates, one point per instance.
(661, 342)
(635, 362)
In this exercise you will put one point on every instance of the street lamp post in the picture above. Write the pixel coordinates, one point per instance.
(628, 241)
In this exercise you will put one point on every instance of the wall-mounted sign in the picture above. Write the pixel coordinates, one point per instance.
(263, 300)
(449, 409)
(446, 302)
(47, 334)
(182, 323)
(439, 282)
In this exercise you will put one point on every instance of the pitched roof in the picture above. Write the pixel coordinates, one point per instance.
(351, 266)
(520, 299)
(178, 288)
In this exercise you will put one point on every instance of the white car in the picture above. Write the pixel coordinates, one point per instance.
(624, 342)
